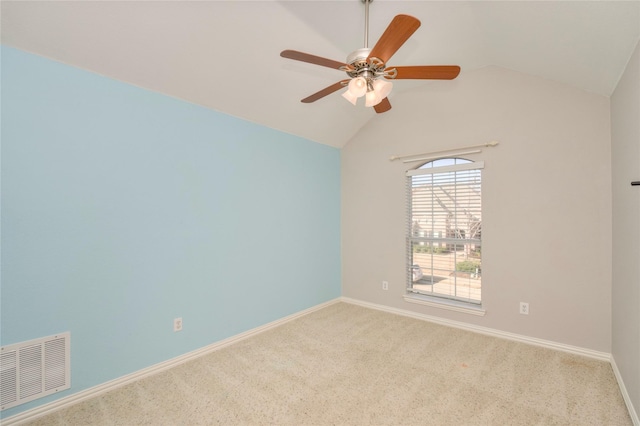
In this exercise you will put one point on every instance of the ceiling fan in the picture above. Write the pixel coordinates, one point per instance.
(367, 68)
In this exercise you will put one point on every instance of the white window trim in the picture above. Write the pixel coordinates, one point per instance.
(442, 303)
(436, 301)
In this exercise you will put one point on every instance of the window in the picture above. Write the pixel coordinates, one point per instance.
(444, 230)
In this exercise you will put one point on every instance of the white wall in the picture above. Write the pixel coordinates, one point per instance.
(625, 135)
(547, 201)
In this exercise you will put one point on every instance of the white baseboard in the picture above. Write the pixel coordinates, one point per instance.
(603, 356)
(34, 413)
(95, 391)
(625, 395)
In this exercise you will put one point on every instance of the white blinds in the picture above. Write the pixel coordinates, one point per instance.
(445, 229)
(446, 201)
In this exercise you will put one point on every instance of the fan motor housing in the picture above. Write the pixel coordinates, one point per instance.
(359, 55)
(363, 66)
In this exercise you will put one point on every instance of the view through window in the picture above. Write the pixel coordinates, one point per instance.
(444, 235)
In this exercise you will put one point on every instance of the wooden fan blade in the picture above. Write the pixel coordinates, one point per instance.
(383, 106)
(324, 92)
(427, 72)
(398, 31)
(312, 59)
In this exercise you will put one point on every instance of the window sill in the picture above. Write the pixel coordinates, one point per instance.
(450, 305)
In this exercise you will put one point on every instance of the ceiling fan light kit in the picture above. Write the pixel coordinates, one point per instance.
(367, 69)
(357, 87)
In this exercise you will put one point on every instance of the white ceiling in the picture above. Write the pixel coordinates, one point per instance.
(224, 55)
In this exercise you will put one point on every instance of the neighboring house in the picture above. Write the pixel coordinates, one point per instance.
(458, 221)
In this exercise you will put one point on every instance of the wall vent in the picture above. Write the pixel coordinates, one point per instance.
(33, 369)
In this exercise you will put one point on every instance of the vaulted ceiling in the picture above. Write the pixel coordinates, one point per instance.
(224, 55)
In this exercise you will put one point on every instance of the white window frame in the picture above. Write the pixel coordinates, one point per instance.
(432, 298)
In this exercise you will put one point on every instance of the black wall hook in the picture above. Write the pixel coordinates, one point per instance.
(635, 183)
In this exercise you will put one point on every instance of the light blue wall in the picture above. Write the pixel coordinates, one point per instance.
(123, 209)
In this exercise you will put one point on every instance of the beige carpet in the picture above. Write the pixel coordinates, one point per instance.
(348, 365)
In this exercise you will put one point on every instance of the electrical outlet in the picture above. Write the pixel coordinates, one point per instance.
(524, 308)
(385, 285)
(177, 324)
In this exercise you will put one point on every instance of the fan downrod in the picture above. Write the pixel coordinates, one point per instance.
(359, 64)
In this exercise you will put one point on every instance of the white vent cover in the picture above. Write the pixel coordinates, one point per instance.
(33, 369)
